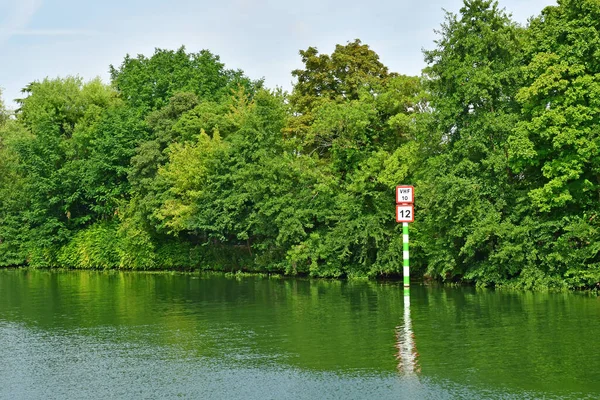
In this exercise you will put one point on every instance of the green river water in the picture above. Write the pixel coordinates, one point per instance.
(100, 335)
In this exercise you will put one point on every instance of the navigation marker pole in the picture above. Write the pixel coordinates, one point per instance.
(405, 256)
(405, 213)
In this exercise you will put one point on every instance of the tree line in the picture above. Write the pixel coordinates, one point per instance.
(180, 162)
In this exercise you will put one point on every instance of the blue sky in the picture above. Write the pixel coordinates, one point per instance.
(40, 38)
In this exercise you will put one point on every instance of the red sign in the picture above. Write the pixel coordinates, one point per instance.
(405, 213)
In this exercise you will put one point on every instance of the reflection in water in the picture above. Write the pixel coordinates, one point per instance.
(407, 350)
(91, 334)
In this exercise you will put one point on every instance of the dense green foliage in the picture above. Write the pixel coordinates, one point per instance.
(181, 163)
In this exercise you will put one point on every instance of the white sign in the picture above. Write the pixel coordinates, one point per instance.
(405, 194)
(405, 213)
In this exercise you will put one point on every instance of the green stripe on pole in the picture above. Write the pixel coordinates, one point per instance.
(405, 256)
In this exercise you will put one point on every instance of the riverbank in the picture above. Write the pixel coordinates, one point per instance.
(416, 280)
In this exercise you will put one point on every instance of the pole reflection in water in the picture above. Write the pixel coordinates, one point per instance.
(407, 351)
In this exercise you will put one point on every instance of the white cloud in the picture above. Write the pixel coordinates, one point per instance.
(18, 13)
(53, 32)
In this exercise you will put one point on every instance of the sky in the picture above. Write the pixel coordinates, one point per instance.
(50, 38)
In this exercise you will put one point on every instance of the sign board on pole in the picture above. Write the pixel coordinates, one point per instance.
(405, 194)
(405, 213)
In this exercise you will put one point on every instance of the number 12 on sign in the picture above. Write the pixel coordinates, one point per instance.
(405, 213)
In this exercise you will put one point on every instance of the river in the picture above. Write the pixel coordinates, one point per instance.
(89, 334)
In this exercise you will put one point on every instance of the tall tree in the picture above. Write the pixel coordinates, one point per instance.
(555, 149)
(468, 208)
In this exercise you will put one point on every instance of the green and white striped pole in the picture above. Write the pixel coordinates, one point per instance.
(405, 255)
(405, 213)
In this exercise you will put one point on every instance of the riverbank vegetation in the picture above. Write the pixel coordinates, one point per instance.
(180, 162)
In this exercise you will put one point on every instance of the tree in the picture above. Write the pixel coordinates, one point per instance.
(554, 149)
(357, 122)
(149, 83)
(469, 207)
(342, 76)
(13, 196)
(557, 143)
(74, 161)
(335, 83)
(213, 185)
